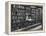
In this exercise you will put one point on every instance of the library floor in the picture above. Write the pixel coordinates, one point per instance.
(34, 27)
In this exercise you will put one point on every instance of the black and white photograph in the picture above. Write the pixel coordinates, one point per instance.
(22, 17)
(26, 17)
